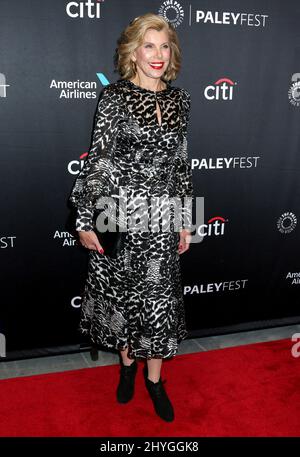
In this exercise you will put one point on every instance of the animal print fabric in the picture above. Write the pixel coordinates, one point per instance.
(136, 300)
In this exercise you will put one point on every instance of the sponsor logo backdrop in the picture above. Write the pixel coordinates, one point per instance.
(242, 68)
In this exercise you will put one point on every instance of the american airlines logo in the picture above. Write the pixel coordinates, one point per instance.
(65, 239)
(3, 85)
(222, 89)
(293, 277)
(78, 89)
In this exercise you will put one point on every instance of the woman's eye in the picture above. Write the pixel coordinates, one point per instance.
(150, 45)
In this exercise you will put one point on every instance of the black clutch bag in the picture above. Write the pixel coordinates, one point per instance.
(111, 241)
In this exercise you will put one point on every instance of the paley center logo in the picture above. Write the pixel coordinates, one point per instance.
(3, 85)
(7, 242)
(172, 11)
(287, 222)
(230, 18)
(294, 90)
(222, 89)
(214, 287)
(86, 8)
(221, 163)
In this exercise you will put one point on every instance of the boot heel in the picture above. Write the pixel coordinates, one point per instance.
(125, 389)
(161, 402)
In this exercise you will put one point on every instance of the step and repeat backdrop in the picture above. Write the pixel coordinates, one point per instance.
(241, 65)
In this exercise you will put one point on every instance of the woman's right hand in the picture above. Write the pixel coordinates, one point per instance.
(89, 240)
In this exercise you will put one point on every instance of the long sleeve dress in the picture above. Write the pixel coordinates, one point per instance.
(136, 299)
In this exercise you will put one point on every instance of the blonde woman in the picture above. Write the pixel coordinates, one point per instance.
(134, 303)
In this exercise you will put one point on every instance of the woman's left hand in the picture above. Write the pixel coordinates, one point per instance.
(184, 241)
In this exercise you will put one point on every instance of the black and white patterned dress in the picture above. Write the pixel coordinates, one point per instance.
(136, 299)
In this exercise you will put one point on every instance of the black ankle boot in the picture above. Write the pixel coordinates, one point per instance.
(162, 405)
(125, 388)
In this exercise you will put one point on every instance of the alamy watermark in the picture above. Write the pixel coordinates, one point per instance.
(2, 345)
(295, 351)
(155, 213)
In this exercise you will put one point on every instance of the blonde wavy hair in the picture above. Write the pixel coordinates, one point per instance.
(132, 37)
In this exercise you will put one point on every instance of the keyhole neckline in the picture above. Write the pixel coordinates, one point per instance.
(143, 89)
(156, 114)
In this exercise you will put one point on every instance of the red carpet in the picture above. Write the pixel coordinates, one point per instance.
(251, 390)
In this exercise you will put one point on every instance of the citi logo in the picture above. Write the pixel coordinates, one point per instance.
(3, 85)
(220, 90)
(76, 301)
(84, 9)
(75, 166)
(214, 227)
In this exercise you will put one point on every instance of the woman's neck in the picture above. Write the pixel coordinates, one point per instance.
(157, 85)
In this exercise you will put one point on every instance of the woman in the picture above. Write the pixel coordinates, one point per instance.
(134, 302)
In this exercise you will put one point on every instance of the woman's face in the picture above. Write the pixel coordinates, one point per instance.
(153, 56)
